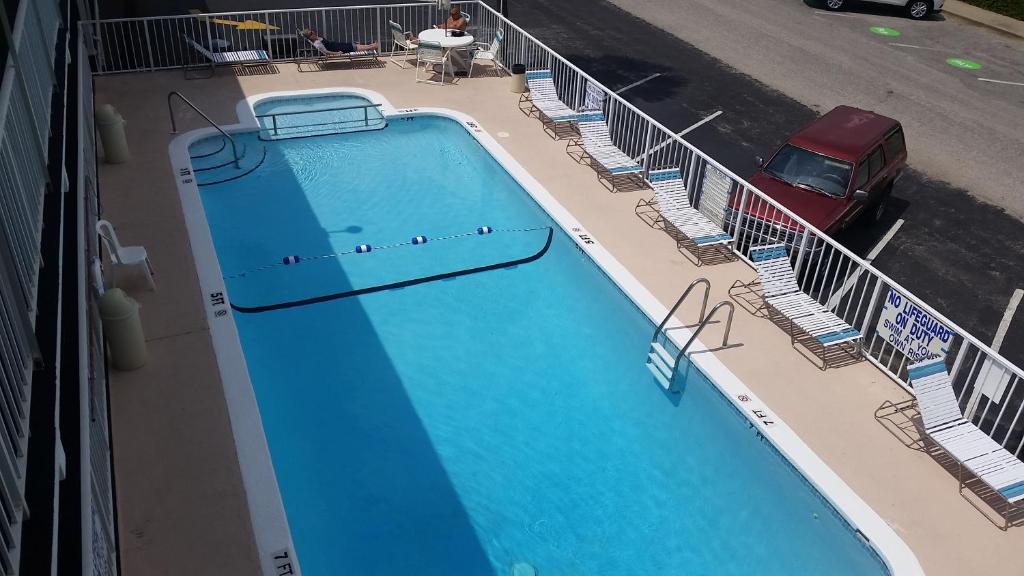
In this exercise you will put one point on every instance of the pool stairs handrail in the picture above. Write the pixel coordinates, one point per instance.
(659, 361)
(365, 121)
(663, 366)
(174, 124)
(705, 322)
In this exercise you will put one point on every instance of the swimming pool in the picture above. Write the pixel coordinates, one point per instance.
(476, 422)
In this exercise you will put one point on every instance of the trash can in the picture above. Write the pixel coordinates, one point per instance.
(122, 327)
(110, 125)
(518, 78)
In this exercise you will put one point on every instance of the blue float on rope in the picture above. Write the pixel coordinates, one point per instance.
(363, 248)
(419, 239)
(291, 260)
(484, 230)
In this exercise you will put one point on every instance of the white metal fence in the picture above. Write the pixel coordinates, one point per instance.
(990, 388)
(25, 97)
(98, 524)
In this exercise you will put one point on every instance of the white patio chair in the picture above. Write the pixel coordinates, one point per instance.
(672, 205)
(542, 100)
(783, 297)
(430, 54)
(944, 424)
(487, 52)
(400, 43)
(595, 142)
(123, 256)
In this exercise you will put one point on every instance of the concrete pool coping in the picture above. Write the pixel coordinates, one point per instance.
(265, 503)
(179, 489)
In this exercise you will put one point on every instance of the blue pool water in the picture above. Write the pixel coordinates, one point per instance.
(461, 426)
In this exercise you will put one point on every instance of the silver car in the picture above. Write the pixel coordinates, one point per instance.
(916, 9)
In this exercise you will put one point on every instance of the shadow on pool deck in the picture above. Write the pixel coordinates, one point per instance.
(171, 429)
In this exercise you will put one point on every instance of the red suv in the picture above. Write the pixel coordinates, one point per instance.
(840, 167)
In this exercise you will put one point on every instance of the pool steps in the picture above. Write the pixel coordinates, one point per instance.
(661, 364)
(212, 165)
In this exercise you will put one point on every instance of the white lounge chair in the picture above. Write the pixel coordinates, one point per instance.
(542, 100)
(237, 58)
(944, 423)
(595, 142)
(428, 55)
(320, 55)
(671, 204)
(783, 296)
(121, 256)
(400, 42)
(486, 52)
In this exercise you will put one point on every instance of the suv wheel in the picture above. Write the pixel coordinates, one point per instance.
(834, 4)
(918, 9)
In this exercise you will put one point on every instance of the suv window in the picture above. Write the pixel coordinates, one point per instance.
(894, 143)
(863, 171)
(876, 161)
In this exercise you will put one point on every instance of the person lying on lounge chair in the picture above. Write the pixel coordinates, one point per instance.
(333, 47)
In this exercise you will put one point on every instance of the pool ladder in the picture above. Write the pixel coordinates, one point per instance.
(660, 362)
(174, 123)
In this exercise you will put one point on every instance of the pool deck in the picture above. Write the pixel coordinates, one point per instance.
(181, 503)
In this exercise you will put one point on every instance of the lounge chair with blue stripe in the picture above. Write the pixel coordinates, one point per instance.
(595, 143)
(212, 59)
(825, 331)
(542, 101)
(944, 424)
(671, 203)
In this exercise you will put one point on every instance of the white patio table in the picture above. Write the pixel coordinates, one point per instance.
(450, 43)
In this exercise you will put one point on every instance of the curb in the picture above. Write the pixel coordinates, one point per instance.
(984, 17)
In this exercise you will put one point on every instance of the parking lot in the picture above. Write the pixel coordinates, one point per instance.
(955, 249)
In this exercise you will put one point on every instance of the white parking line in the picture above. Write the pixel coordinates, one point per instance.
(702, 122)
(637, 83)
(885, 240)
(670, 140)
(834, 14)
(914, 46)
(1004, 325)
(875, 251)
(1001, 82)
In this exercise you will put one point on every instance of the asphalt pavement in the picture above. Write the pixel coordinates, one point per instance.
(963, 256)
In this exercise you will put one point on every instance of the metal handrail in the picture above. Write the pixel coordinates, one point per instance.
(365, 108)
(356, 107)
(705, 322)
(174, 124)
(672, 311)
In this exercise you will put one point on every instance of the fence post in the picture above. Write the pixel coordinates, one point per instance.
(647, 148)
(270, 45)
(149, 46)
(800, 253)
(739, 215)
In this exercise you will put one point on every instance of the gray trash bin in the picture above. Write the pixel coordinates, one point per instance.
(111, 125)
(518, 85)
(122, 327)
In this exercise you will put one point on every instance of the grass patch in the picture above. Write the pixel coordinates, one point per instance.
(1011, 8)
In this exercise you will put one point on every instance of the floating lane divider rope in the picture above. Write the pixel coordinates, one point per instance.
(365, 248)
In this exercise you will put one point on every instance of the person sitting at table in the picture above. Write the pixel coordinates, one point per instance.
(332, 47)
(455, 20)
